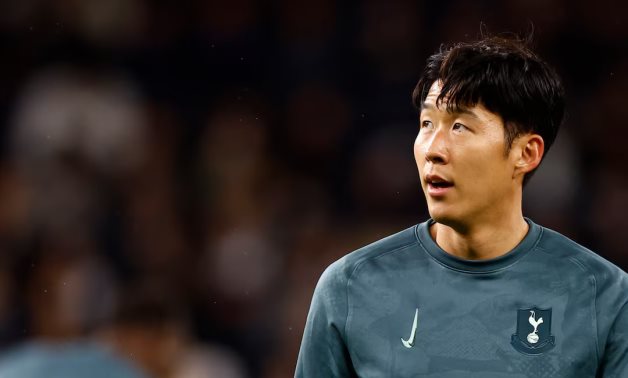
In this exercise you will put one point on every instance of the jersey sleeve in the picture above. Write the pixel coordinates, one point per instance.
(614, 363)
(324, 350)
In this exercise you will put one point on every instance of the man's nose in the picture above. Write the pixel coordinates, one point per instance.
(437, 149)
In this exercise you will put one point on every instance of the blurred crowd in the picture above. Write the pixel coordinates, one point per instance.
(175, 176)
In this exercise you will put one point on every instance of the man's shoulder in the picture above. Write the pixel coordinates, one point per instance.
(344, 267)
(560, 246)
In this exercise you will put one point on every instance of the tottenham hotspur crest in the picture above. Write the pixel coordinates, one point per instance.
(533, 335)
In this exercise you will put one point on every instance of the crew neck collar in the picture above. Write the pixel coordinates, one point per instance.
(478, 266)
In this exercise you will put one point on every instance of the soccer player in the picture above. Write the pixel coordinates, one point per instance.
(477, 290)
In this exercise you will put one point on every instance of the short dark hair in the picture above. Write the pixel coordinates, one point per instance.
(503, 75)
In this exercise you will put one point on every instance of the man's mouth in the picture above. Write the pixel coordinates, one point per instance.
(441, 184)
(437, 185)
(438, 181)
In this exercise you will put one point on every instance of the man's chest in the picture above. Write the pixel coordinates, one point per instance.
(470, 328)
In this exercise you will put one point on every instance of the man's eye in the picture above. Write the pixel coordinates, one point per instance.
(459, 126)
(426, 124)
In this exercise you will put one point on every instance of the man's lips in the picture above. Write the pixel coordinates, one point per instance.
(437, 185)
(436, 191)
(437, 180)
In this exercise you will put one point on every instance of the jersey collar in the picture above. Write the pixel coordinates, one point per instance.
(478, 266)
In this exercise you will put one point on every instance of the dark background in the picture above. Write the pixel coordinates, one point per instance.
(175, 175)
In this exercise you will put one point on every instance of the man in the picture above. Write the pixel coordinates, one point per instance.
(477, 290)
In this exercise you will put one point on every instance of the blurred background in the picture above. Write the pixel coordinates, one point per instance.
(175, 175)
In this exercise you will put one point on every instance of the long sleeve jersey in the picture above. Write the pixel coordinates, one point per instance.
(403, 307)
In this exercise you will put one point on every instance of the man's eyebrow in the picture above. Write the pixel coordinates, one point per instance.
(455, 110)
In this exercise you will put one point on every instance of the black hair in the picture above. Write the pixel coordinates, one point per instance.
(503, 75)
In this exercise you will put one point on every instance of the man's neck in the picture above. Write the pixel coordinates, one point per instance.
(482, 241)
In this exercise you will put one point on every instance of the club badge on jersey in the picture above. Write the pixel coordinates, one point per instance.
(534, 331)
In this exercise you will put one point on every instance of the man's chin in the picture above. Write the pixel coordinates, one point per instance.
(439, 213)
(443, 220)
(444, 217)
(457, 223)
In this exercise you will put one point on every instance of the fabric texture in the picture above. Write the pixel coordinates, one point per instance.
(548, 308)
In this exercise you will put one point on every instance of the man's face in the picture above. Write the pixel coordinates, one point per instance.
(465, 174)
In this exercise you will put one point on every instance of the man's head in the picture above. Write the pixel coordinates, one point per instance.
(489, 111)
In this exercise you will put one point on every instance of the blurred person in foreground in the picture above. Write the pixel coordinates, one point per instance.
(478, 289)
(69, 296)
(67, 360)
(151, 329)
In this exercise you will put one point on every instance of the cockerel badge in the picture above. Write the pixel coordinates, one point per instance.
(533, 334)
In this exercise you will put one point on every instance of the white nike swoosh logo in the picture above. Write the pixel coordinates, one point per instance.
(410, 342)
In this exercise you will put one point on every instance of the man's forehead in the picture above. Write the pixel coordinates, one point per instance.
(431, 99)
(435, 88)
(433, 92)
(431, 102)
(450, 110)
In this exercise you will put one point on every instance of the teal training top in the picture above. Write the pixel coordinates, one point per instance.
(403, 307)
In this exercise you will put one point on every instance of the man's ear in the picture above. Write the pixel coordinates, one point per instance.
(529, 150)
